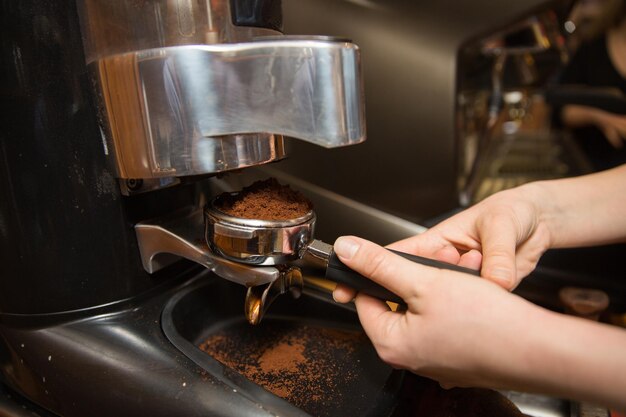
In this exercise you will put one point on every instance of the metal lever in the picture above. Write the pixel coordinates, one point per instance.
(182, 234)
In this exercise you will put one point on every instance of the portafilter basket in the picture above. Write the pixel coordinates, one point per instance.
(255, 241)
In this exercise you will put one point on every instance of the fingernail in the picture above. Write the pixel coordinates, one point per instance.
(346, 247)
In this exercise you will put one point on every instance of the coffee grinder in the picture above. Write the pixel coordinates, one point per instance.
(117, 114)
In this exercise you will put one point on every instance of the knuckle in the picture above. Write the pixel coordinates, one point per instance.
(499, 254)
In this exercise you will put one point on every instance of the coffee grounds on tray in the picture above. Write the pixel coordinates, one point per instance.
(266, 200)
(308, 366)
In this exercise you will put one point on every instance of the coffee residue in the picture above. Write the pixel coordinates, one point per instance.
(265, 200)
(309, 366)
(284, 356)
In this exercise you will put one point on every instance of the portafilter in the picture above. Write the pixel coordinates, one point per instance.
(289, 244)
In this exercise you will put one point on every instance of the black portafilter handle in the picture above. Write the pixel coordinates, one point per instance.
(338, 272)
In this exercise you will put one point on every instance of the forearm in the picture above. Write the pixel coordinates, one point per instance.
(574, 358)
(576, 116)
(582, 211)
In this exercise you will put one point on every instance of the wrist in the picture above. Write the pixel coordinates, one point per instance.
(545, 211)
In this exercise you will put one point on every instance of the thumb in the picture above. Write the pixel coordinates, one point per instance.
(498, 245)
(382, 266)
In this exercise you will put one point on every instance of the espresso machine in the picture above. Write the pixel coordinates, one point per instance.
(120, 121)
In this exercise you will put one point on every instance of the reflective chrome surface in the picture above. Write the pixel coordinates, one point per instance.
(259, 298)
(198, 109)
(516, 59)
(257, 242)
(113, 27)
(536, 405)
(181, 235)
(317, 254)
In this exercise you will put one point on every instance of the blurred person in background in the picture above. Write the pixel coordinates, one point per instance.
(595, 110)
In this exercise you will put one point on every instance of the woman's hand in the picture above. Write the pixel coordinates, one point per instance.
(503, 237)
(506, 228)
(614, 128)
(462, 330)
(611, 124)
(458, 329)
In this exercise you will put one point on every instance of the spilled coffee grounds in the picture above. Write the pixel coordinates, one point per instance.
(265, 200)
(309, 366)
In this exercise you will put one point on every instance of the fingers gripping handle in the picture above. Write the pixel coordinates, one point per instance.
(337, 271)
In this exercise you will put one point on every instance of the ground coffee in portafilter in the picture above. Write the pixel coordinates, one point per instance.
(265, 200)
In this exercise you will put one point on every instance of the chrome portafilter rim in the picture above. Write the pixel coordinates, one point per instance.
(256, 241)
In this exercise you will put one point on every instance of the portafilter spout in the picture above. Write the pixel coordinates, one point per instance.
(260, 297)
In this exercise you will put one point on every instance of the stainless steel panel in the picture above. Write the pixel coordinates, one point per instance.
(199, 109)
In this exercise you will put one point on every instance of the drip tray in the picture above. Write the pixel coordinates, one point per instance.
(307, 357)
